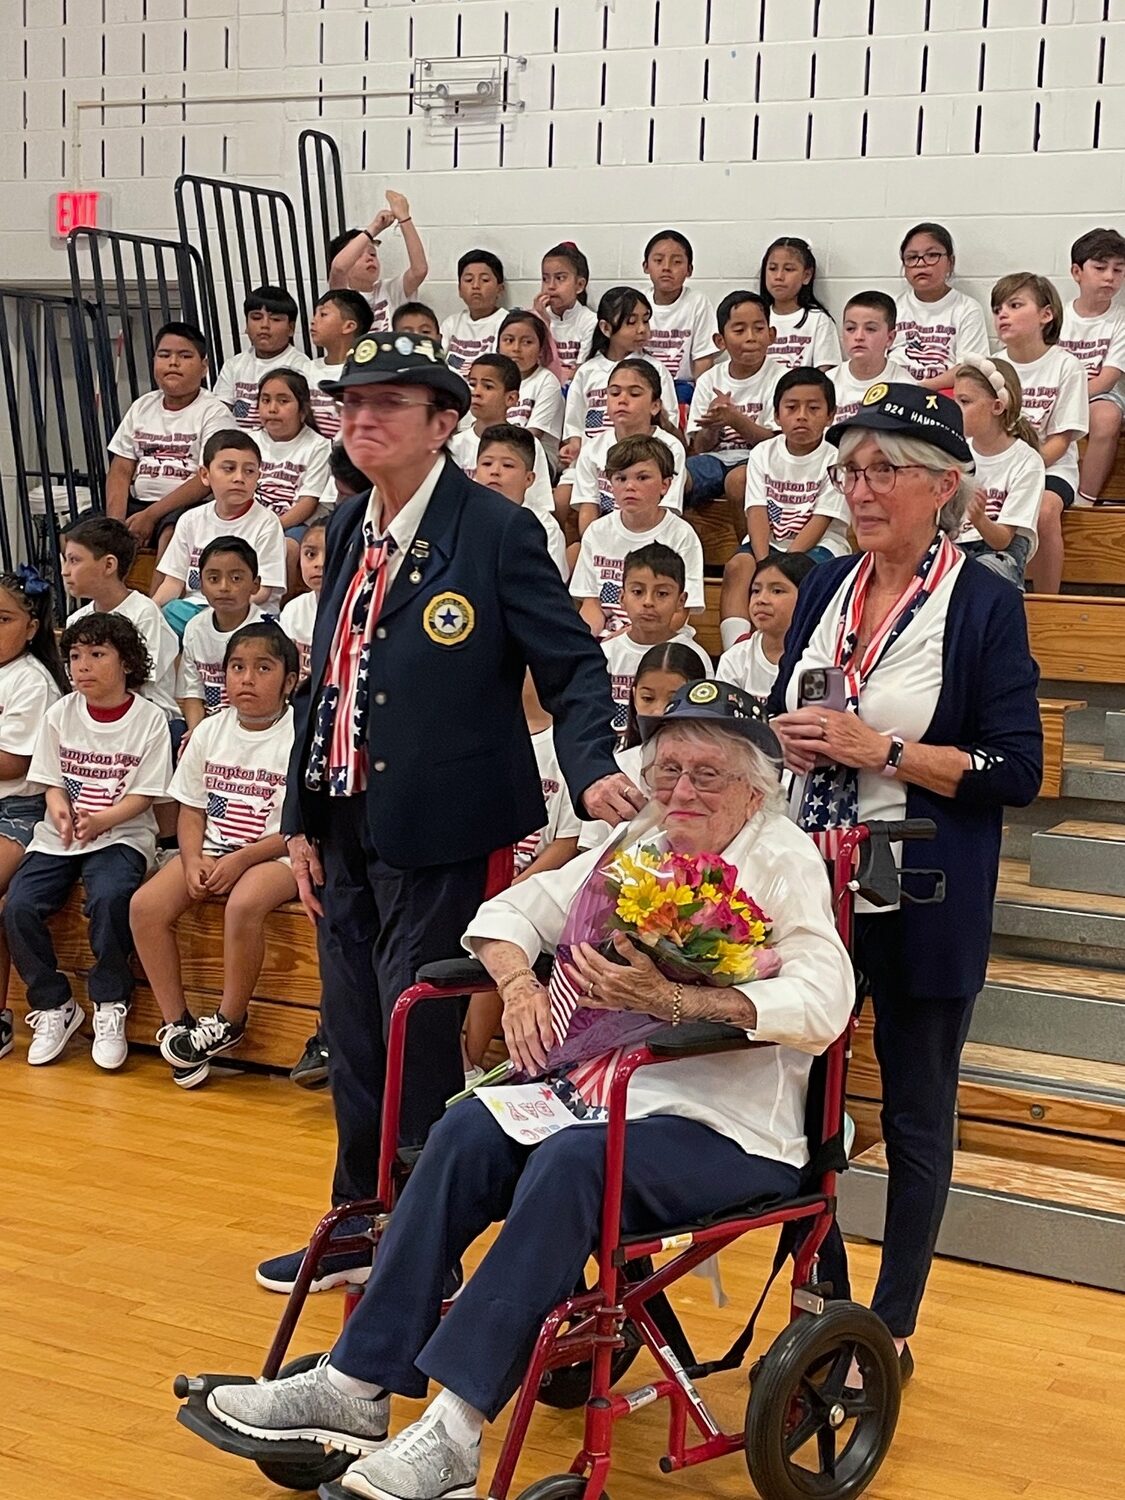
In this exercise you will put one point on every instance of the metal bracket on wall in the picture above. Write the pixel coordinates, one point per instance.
(456, 87)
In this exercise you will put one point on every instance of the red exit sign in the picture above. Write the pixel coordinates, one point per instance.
(78, 210)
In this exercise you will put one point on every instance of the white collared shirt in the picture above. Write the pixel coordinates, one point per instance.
(404, 527)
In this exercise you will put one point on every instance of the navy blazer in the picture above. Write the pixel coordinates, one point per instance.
(987, 703)
(453, 774)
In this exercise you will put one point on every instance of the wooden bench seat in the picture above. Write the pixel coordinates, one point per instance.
(1052, 714)
(140, 574)
(1077, 637)
(1115, 484)
(1095, 547)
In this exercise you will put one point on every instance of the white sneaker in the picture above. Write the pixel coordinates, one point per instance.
(52, 1030)
(110, 1048)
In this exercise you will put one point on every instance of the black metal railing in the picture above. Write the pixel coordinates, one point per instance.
(322, 197)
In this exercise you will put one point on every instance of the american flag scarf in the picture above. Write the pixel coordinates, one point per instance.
(830, 801)
(338, 755)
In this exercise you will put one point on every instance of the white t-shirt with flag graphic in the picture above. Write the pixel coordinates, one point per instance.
(573, 332)
(562, 821)
(681, 332)
(606, 542)
(591, 484)
(237, 776)
(97, 764)
(747, 666)
(792, 488)
(465, 339)
(540, 404)
(241, 375)
(587, 395)
(1012, 482)
(1096, 341)
(326, 409)
(384, 299)
(162, 645)
(850, 389)
(464, 447)
(297, 620)
(932, 336)
(804, 338)
(292, 469)
(257, 525)
(27, 691)
(623, 656)
(752, 396)
(202, 674)
(1056, 399)
(167, 446)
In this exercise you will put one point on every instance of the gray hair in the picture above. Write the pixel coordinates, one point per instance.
(759, 771)
(897, 448)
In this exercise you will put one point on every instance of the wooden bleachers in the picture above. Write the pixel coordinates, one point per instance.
(140, 574)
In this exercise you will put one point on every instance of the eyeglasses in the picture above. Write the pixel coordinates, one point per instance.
(880, 478)
(382, 404)
(924, 257)
(665, 776)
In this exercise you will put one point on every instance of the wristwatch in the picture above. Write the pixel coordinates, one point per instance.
(894, 757)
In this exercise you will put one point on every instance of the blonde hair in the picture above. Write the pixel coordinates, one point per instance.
(997, 378)
(1043, 292)
(899, 449)
(761, 773)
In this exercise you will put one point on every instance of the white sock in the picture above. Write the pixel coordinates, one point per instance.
(348, 1385)
(730, 630)
(1087, 499)
(463, 1422)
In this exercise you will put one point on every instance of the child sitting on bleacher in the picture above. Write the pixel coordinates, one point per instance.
(231, 468)
(752, 664)
(271, 321)
(416, 317)
(505, 463)
(494, 384)
(1093, 331)
(868, 330)
(682, 318)
(299, 615)
(354, 262)
(102, 754)
(340, 319)
(640, 470)
(804, 333)
(155, 453)
(466, 335)
(565, 273)
(230, 786)
(938, 327)
(525, 339)
(294, 472)
(999, 528)
(228, 577)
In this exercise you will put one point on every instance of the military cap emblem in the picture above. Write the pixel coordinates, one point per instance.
(703, 692)
(873, 394)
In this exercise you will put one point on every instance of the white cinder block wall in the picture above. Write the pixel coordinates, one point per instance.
(736, 120)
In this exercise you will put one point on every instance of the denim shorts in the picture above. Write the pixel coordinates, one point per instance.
(1009, 564)
(708, 478)
(18, 817)
(1114, 395)
(295, 533)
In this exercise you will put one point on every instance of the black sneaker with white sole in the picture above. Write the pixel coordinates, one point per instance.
(188, 1051)
(311, 1069)
(7, 1033)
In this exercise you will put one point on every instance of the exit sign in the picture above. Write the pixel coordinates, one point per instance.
(78, 210)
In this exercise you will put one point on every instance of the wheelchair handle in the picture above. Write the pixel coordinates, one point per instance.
(905, 830)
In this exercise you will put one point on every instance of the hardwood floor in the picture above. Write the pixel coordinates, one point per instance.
(131, 1216)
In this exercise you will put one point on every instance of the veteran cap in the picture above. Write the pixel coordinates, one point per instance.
(718, 703)
(399, 359)
(912, 411)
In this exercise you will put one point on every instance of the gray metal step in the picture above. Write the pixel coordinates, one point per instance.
(1061, 925)
(1080, 856)
(1100, 783)
(1051, 1008)
(1115, 736)
(1085, 725)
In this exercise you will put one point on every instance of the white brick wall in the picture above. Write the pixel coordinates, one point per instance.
(591, 157)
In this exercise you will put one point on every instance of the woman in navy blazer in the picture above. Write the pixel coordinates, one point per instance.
(939, 720)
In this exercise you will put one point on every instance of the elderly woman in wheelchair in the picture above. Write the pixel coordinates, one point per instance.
(706, 1133)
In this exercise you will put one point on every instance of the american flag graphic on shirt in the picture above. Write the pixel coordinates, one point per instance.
(237, 821)
(90, 796)
(927, 350)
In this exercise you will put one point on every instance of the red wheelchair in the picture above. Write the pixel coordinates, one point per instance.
(806, 1435)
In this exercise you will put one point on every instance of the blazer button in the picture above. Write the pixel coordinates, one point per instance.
(381, 632)
(380, 698)
(380, 765)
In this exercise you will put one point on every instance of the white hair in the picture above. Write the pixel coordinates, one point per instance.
(898, 448)
(755, 766)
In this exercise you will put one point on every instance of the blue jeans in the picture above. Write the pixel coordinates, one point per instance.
(1010, 563)
(708, 478)
(814, 554)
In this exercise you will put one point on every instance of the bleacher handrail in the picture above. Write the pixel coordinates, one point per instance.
(329, 196)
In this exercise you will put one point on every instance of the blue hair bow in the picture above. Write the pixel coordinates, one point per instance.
(31, 580)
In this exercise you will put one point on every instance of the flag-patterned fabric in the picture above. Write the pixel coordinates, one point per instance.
(90, 796)
(237, 821)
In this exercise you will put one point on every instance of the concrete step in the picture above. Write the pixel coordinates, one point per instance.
(1114, 744)
(1065, 1009)
(1085, 725)
(1045, 1220)
(1087, 773)
(1080, 856)
(1045, 922)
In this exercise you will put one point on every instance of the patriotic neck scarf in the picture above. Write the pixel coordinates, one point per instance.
(830, 801)
(338, 755)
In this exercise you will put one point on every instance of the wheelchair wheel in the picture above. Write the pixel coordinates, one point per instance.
(568, 1386)
(559, 1487)
(322, 1466)
(804, 1437)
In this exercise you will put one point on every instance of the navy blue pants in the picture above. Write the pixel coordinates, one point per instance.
(40, 887)
(918, 1044)
(380, 924)
(549, 1196)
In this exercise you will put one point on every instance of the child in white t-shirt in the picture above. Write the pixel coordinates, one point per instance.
(505, 463)
(271, 321)
(804, 334)
(102, 753)
(938, 327)
(230, 786)
(999, 528)
(299, 615)
(494, 386)
(1028, 314)
(466, 335)
(562, 301)
(525, 339)
(228, 574)
(868, 331)
(340, 319)
(294, 473)
(1094, 332)
(640, 470)
(752, 664)
(680, 334)
(354, 262)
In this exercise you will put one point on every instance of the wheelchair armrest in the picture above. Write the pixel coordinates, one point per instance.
(698, 1038)
(451, 973)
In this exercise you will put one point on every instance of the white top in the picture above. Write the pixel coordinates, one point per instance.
(682, 331)
(606, 542)
(587, 394)
(804, 339)
(162, 645)
(757, 1097)
(297, 620)
(384, 299)
(291, 470)
(747, 666)
(1013, 485)
(932, 336)
(1094, 342)
(590, 484)
(573, 332)
(27, 691)
(465, 340)
(622, 658)
(98, 764)
(792, 489)
(540, 404)
(752, 396)
(1056, 399)
(850, 389)
(403, 527)
(201, 672)
(241, 375)
(238, 776)
(325, 408)
(167, 446)
(257, 525)
(465, 445)
(562, 821)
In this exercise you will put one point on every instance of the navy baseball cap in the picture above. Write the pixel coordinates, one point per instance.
(719, 703)
(912, 411)
(399, 359)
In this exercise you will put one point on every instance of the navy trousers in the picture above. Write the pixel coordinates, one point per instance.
(918, 1044)
(380, 924)
(40, 887)
(549, 1196)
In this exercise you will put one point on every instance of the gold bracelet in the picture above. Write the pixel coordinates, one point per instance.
(677, 1002)
(502, 984)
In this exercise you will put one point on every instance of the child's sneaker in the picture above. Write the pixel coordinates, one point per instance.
(7, 1035)
(110, 1048)
(310, 1071)
(189, 1050)
(53, 1029)
(187, 1078)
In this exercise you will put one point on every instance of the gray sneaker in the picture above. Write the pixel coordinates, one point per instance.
(303, 1406)
(422, 1463)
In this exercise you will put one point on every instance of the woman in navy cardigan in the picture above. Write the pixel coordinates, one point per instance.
(940, 720)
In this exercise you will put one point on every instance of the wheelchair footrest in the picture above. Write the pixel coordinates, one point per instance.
(335, 1491)
(194, 1415)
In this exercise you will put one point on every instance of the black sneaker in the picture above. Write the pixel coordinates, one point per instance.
(7, 1033)
(311, 1069)
(190, 1051)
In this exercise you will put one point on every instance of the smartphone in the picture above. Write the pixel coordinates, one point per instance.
(822, 687)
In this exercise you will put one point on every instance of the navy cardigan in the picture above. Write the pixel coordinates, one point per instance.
(987, 704)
